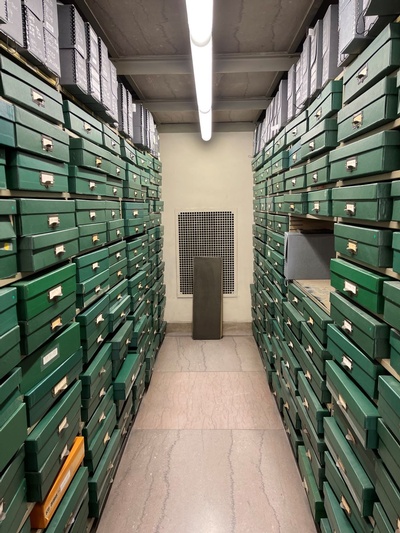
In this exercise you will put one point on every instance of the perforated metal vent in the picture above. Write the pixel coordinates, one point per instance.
(206, 234)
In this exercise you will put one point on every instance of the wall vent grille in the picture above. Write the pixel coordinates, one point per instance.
(206, 234)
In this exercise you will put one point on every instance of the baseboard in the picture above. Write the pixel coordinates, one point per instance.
(229, 329)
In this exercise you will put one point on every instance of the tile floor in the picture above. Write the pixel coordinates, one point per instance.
(208, 452)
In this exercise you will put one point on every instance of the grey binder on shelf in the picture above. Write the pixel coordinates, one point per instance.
(207, 298)
(308, 255)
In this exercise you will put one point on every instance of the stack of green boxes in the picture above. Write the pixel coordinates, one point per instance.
(83, 324)
(340, 407)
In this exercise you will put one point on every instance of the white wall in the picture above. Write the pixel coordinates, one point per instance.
(208, 176)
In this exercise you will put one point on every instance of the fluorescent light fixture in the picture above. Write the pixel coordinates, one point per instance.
(205, 125)
(202, 68)
(200, 20)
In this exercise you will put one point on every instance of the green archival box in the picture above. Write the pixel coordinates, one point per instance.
(368, 245)
(44, 216)
(376, 154)
(373, 108)
(359, 411)
(364, 329)
(39, 137)
(361, 285)
(372, 201)
(356, 364)
(82, 123)
(20, 86)
(32, 173)
(381, 57)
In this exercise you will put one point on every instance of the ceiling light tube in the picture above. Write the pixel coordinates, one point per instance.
(202, 68)
(205, 120)
(200, 19)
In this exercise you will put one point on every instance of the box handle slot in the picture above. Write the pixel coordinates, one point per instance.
(352, 247)
(318, 113)
(97, 289)
(350, 287)
(115, 191)
(99, 319)
(362, 74)
(62, 385)
(316, 207)
(350, 209)
(87, 127)
(347, 326)
(345, 506)
(351, 164)
(57, 323)
(102, 392)
(294, 181)
(102, 417)
(309, 349)
(315, 177)
(347, 362)
(357, 121)
(341, 402)
(118, 170)
(308, 376)
(305, 403)
(102, 371)
(59, 250)
(95, 266)
(53, 221)
(46, 179)
(311, 145)
(47, 144)
(349, 437)
(92, 185)
(99, 339)
(38, 98)
(340, 465)
(308, 454)
(98, 162)
(64, 453)
(55, 293)
(64, 425)
(95, 238)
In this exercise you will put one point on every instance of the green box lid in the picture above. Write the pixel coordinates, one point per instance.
(90, 258)
(366, 278)
(46, 240)
(377, 140)
(370, 325)
(8, 298)
(41, 206)
(391, 291)
(8, 207)
(355, 400)
(389, 389)
(30, 288)
(372, 236)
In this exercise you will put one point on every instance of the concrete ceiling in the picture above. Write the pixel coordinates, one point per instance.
(254, 44)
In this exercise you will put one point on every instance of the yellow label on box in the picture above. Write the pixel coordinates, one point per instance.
(43, 512)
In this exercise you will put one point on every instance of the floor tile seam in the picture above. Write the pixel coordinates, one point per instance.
(280, 429)
(262, 371)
